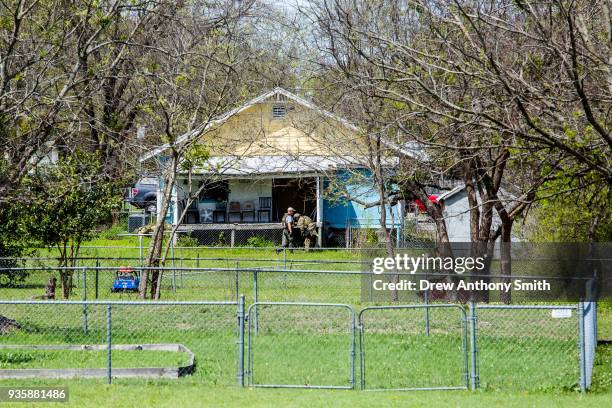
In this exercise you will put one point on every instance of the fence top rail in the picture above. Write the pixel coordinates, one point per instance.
(420, 306)
(135, 258)
(306, 304)
(119, 302)
(432, 274)
(264, 248)
(489, 306)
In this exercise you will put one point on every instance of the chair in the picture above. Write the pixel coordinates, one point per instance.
(265, 207)
(219, 214)
(248, 212)
(234, 211)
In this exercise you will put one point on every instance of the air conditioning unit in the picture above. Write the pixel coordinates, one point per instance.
(136, 221)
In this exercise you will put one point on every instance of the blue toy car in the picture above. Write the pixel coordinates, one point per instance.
(126, 281)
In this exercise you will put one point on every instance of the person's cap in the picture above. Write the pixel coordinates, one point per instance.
(290, 209)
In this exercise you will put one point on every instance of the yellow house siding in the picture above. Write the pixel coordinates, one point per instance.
(255, 132)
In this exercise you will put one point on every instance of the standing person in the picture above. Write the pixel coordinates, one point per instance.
(290, 232)
(308, 231)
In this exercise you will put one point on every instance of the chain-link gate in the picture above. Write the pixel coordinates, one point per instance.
(413, 347)
(527, 346)
(301, 345)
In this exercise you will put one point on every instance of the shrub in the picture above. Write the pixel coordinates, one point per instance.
(259, 242)
(187, 240)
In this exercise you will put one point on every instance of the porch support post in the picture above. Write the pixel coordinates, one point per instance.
(175, 209)
(158, 198)
(320, 210)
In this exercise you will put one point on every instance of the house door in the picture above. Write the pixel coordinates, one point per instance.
(299, 193)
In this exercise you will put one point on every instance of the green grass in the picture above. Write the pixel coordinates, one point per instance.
(312, 345)
(87, 393)
(526, 358)
(190, 392)
(209, 332)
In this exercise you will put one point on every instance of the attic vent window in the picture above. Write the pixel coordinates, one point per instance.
(279, 111)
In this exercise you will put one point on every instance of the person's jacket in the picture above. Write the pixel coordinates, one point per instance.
(296, 218)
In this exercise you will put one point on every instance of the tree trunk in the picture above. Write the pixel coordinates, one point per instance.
(66, 283)
(506, 261)
(155, 247)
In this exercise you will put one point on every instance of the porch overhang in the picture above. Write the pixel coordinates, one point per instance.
(271, 166)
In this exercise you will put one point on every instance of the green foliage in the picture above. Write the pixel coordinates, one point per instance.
(13, 241)
(70, 200)
(259, 242)
(112, 232)
(194, 157)
(187, 240)
(221, 240)
(569, 217)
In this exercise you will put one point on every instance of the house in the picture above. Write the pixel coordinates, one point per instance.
(456, 211)
(275, 151)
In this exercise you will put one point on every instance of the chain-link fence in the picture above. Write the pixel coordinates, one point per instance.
(414, 347)
(64, 339)
(514, 346)
(301, 345)
(415, 229)
(232, 235)
(533, 346)
(310, 345)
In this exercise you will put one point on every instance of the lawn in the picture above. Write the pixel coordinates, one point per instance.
(313, 345)
(525, 357)
(190, 392)
(83, 393)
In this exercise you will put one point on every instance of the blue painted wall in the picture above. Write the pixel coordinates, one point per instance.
(337, 212)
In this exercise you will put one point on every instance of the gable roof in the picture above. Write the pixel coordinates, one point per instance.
(448, 194)
(275, 92)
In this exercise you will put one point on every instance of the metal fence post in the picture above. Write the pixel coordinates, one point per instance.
(594, 316)
(240, 374)
(237, 280)
(426, 301)
(173, 265)
(84, 301)
(361, 354)
(140, 250)
(464, 346)
(353, 324)
(97, 276)
(173, 280)
(108, 343)
(255, 295)
(581, 345)
(473, 347)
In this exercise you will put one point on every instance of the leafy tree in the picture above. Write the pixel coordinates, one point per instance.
(69, 200)
(568, 217)
(13, 243)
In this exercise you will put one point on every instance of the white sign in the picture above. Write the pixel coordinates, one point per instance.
(561, 313)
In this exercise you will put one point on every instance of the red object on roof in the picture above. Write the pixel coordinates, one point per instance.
(421, 206)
